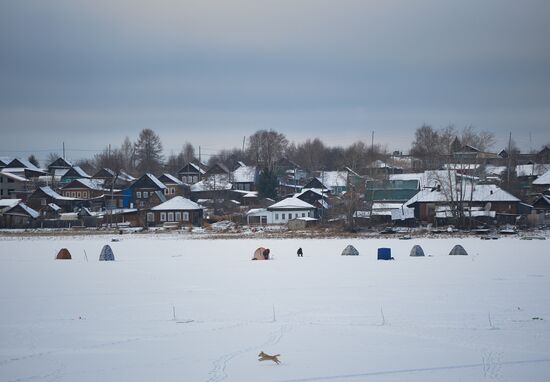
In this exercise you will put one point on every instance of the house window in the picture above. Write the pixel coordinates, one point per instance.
(170, 216)
(142, 204)
(283, 216)
(138, 195)
(309, 213)
(173, 190)
(185, 216)
(165, 191)
(78, 194)
(145, 194)
(150, 217)
(303, 214)
(85, 194)
(163, 216)
(43, 202)
(120, 203)
(195, 179)
(178, 216)
(276, 216)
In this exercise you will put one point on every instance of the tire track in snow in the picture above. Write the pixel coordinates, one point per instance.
(407, 371)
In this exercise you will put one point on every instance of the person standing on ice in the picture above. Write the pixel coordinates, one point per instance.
(300, 252)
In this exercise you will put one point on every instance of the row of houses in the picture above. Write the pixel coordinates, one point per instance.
(388, 197)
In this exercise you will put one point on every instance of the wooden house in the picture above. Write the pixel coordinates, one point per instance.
(178, 211)
(43, 196)
(147, 192)
(244, 177)
(18, 216)
(174, 186)
(83, 189)
(73, 173)
(192, 172)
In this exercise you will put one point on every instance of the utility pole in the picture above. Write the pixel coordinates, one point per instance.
(509, 156)
(63, 150)
(244, 140)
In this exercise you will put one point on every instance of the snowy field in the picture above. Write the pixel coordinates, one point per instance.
(482, 317)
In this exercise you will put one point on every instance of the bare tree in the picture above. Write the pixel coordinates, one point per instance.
(265, 147)
(148, 152)
(32, 159)
(188, 152)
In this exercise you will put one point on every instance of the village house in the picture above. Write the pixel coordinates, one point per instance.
(83, 189)
(192, 172)
(13, 186)
(146, 192)
(174, 186)
(43, 196)
(74, 173)
(281, 212)
(108, 176)
(487, 200)
(18, 215)
(178, 211)
(244, 178)
(59, 167)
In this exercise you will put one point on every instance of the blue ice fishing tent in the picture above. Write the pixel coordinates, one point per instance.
(384, 254)
(106, 254)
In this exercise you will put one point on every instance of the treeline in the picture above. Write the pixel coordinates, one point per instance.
(265, 147)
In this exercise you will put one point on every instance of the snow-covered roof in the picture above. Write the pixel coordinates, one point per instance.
(255, 211)
(544, 179)
(48, 191)
(32, 213)
(177, 203)
(18, 178)
(481, 193)
(60, 172)
(80, 172)
(532, 169)
(427, 178)
(155, 180)
(251, 194)
(27, 164)
(54, 206)
(125, 176)
(333, 178)
(244, 174)
(5, 160)
(461, 166)
(213, 182)
(318, 191)
(290, 203)
(172, 179)
(494, 170)
(89, 183)
(9, 203)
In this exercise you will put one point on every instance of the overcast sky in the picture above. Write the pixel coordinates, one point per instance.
(210, 72)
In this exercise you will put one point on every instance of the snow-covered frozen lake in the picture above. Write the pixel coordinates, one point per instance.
(481, 317)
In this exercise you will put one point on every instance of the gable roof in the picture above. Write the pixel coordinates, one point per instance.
(290, 203)
(23, 163)
(481, 193)
(167, 178)
(52, 194)
(177, 203)
(77, 172)
(218, 168)
(91, 184)
(213, 182)
(60, 163)
(15, 177)
(104, 173)
(244, 174)
(544, 179)
(333, 179)
(193, 167)
(24, 209)
(151, 179)
(8, 203)
(5, 160)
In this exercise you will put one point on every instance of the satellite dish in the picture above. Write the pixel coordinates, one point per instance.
(488, 206)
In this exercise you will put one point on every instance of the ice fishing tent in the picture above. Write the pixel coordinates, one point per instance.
(63, 254)
(384, 254)
(417, 251)
(106, 254)
(458, 250)
(350, 251)
(261, 254)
